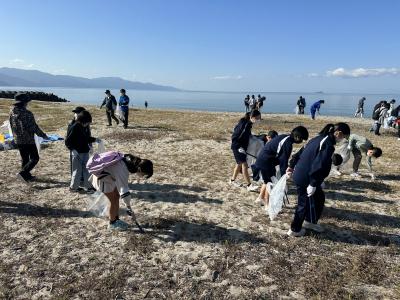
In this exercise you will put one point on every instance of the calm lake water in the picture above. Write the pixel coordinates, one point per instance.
(335, 104)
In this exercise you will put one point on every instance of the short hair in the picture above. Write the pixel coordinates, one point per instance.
(84, 117)
(300, 132)
(376, 152)
(272, 134)
(122, 91)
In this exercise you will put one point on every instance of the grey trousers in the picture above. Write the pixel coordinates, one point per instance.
(79, 170)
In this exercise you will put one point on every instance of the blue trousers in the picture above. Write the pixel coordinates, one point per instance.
(308, 208)
(313, 113)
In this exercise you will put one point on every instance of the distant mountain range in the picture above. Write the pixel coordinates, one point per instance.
(33, 78)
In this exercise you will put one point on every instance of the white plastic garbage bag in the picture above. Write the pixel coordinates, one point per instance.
(38, 141)
(97, 204)
(253, 149)
(119, 113)
(100, 147)
(276, 198)
(6, 126)
(344, 152)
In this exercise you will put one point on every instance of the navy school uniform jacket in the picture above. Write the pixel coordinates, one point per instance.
(312, 163)
(241, 134)
(316, 106)
(275, 152)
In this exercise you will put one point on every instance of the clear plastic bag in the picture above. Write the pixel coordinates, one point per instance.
(100, 147)
(97, 204)
(38, 141)
(276, 198)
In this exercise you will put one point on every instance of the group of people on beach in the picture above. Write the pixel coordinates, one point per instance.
(251, 103)
(309, 166)
(107, 172)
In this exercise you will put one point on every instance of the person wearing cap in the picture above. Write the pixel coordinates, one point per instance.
(111, 104)
(24, 128)
(360, 108)
(124, 105)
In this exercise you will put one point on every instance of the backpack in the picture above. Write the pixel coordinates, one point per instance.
(98, 162)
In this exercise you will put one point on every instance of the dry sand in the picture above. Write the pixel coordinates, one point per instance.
(205, 239)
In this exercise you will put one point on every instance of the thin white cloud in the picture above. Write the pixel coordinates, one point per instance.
(313, 75)
(362, 72)
(227, 77)
(16, 61)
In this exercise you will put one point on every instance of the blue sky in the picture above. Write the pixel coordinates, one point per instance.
(333, 46)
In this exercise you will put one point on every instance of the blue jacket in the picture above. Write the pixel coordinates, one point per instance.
(316, 106)
(241, 134)
(312, 163)
(124, 102)
(275, 152)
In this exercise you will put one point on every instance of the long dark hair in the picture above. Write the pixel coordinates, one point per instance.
(330, 129)
(253, 114)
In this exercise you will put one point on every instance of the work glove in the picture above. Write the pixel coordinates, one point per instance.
(311, 190)
(241, 150)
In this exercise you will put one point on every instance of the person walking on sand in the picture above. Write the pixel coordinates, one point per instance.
(111, 104)
(276, 153)
(124, 105)
(146, 104)
(113, 180)
(77, 141)
(315, 108)
(360, 108)
(240, 141)
(24, 128)
(309, 167)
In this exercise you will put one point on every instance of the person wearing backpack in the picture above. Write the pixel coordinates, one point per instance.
(276, 153)
(111, 104)
(77, 141)
(240, 141)
(110, 175)
(309, 168)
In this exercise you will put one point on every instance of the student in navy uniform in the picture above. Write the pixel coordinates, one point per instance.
(271, 134)
(315, 108)
(310, 166)
(276, 152)
(240, 141)
(124, 105)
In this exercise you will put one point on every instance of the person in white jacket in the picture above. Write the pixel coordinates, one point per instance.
(114, 183)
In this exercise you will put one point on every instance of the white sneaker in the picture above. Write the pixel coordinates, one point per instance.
(355, 175)
(313, 227)
(398, 139)
(234, 183)
(252, 188)
(296, 234)
(118, 225)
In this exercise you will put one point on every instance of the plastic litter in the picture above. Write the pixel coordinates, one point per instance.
(100, 147)
(38, 141)
(97, 204)
(276, 198)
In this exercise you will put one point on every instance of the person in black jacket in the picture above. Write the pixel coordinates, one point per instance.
(310, 166)
(240, 140)
(111, 104)
(276, 153)
(77, 141)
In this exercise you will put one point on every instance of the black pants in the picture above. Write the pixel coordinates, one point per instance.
(110, 114)
(125, 114)
(30, 158)
(357, 159)
(378, 126)
(308, 208)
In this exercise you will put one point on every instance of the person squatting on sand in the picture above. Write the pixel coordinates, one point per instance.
(240, 141)
(113, 181)
(77, 141)
(124, 106)
(309, 168)
(358, 145)
(315, 108)
(111, 104)
(24, 128)
(275, 153)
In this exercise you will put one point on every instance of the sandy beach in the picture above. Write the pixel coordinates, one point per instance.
(204, 239)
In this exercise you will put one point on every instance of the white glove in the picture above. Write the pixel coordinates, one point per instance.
(372, 176)
(311, 190)
(323, 185)
(241, 150)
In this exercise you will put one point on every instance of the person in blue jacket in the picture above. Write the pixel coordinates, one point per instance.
(276, 153)
(240, 141)
(315, 108)
(124, 105)
(310, 166)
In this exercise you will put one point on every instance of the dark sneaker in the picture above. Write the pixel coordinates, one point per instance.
(109, 125)
(90, 191)
(21, 178)
(78, 190)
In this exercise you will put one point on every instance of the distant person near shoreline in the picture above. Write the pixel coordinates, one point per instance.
(301, 104)
(315, 108)
(360, 108)
(247, 103)
(111, 104)
(146, 104)
(124, 105)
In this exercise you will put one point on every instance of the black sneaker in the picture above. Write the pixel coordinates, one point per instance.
(109, 125)
(78, 190)
(90, 191)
